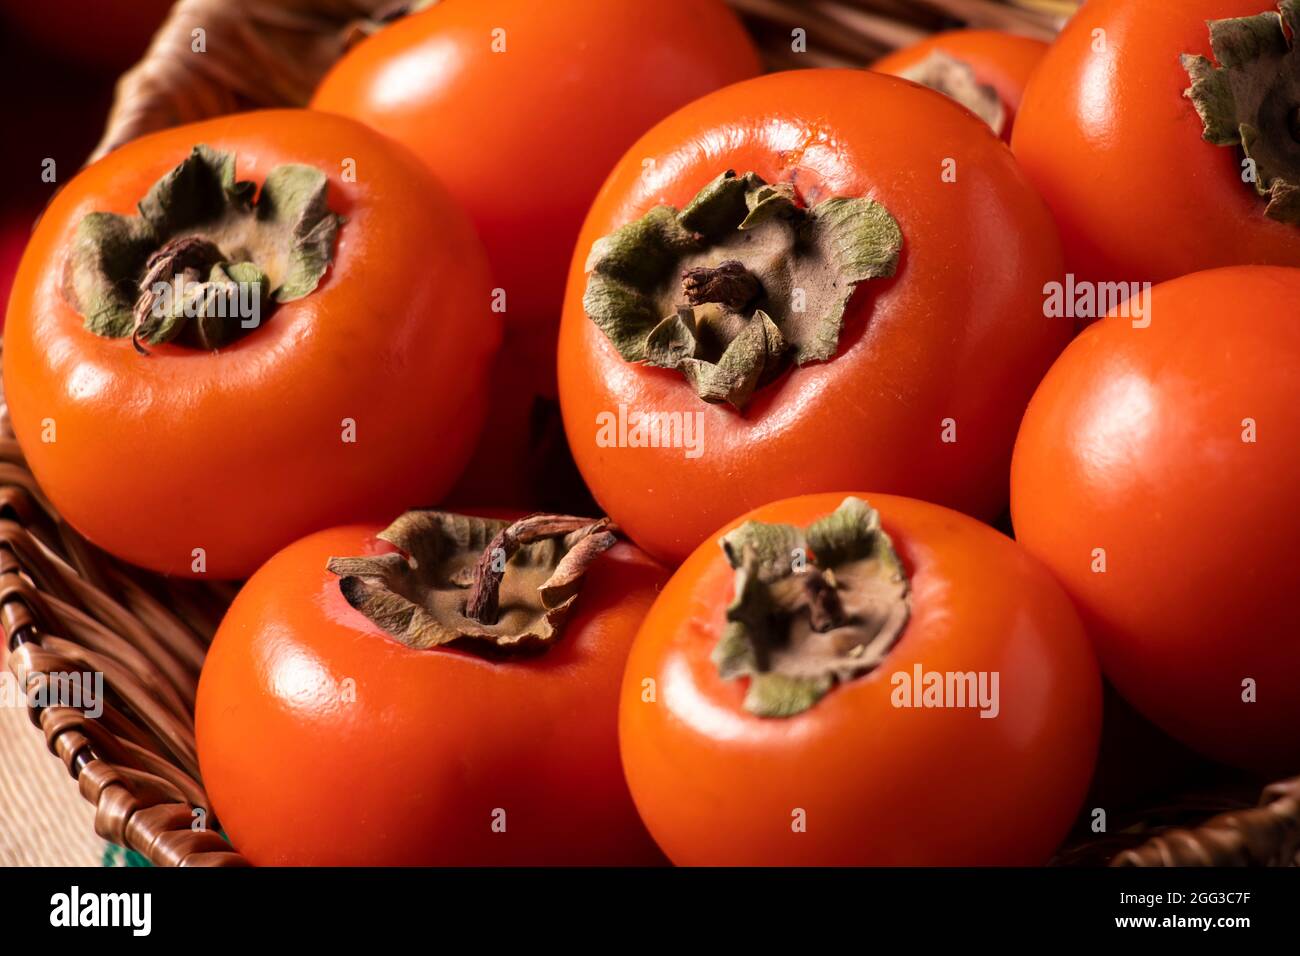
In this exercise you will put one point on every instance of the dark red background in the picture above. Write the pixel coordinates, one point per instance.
(59, 60)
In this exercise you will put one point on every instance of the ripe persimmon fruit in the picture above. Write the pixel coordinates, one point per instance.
(1155, 474)
(523, 108)
(1163, 136)
(229, 334)
(415, 696)
(825, 296)
(828, 684)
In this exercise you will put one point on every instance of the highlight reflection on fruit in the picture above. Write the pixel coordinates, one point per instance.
(663, 431)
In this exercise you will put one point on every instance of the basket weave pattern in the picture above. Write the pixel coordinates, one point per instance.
(67, 607)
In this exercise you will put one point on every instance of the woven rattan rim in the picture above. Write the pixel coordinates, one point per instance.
(67, 607)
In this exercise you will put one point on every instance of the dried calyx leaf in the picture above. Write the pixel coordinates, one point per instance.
(738, 284)
(483, 583)
(1252, 100)
(812, 607)
(203, 260)
(956, 80)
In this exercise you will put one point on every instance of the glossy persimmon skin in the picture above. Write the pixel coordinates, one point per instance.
(241, 451)
(1004, 61)
(878, 784)
(1117, 150)
(958, 333)
(409, 767)
(524, 137)
(1134, 445)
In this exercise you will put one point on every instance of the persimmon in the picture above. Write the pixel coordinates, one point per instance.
(522, 108)
(229, 334)
(714, 354)
(825, 684)
(443, 692)
(1155, 474)
(1130, 132)
(984, 70)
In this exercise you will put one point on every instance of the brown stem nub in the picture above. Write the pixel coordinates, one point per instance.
(189, 256)
(178, 255)
(825, 609)
(729, 284)
(481, 605)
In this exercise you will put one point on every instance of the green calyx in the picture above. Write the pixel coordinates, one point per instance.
(812, 607)
(205, 257)
(738, 284)
(956, 80)
(484, 585)
(1252, 100)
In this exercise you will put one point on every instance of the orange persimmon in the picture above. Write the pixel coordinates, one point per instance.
(1155, 474)
(837, 686)
(522, 108)
(339, 725)
(1129, 131)
(325, 355)
(681, 329)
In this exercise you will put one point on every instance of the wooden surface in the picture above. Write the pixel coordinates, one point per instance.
(43, 819)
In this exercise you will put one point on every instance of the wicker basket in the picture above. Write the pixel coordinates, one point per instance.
(66, 607)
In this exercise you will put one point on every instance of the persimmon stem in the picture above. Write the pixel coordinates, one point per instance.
(189, 256)
(203, 247)
(417, 592)
(796, 632)
(825, 609)
(482, 605)
(766, 282)
(729, 284)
